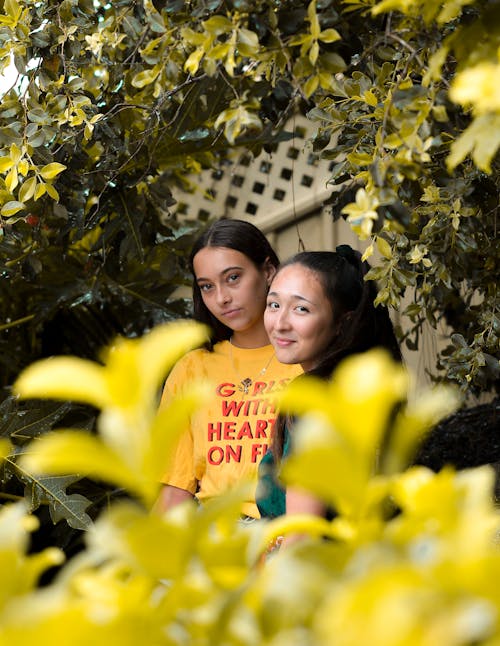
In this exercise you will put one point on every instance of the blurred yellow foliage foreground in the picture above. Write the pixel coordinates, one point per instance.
(411, 559)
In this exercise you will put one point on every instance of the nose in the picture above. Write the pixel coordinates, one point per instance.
(222, 296)
(282, 321)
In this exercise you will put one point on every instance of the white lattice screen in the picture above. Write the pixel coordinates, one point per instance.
(267, 190)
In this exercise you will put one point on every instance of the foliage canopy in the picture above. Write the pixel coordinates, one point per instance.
(117, 102)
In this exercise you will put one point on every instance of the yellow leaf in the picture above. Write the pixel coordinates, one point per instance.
(77, 117)
(80, 452)
(6, 163)
(219, 52)
(311, 85)
(146, 77)
(384, 247)
(23, 167)
(248, 38)
(64, 378)
(364, 387)
(360, 159)
(314, 52)
(478, 86)
(349, 471)
(414, 420)
(88, 130)
(135, 368)
(12, 180)
(15, 153)
(294, 524)
(27, 190)
(313, 19)
(148, 538)
(52, 192)
(329, 36)
(435, 65)
(367, 253)
(13, 9)
(193, 62)
(164, 345)
(306, 394)
(12, 207)
(52, 170)
(40, 190)
(168, 424)
(481, 139)
(218, 25)
(370, 98)
(5, 448)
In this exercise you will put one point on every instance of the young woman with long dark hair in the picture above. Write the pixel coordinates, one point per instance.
(233, 265)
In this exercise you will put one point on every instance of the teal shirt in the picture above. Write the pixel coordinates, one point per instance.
(270, 495)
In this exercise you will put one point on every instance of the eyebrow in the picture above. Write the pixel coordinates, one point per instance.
(297, 297)
(222, 273)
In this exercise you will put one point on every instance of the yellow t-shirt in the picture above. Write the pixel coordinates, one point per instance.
(228, 436)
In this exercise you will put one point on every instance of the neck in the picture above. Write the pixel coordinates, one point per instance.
(309, 365)
(250, 339)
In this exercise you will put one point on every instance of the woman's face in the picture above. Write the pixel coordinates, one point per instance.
(233, 289)
(298, 317)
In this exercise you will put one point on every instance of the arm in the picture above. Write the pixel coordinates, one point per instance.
(299, 501)
(170, 497)
(178, 465)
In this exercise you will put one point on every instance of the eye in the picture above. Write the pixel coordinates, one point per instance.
(232, 278)
(205, 287)
(272, 305)
(301, 309)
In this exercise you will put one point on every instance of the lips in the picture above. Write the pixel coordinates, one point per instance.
(282, 342)
(231, 313)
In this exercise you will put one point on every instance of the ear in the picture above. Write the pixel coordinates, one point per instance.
(270, 271)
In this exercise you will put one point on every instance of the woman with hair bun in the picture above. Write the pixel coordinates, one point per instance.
(319, 311)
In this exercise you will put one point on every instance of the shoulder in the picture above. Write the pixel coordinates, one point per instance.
(199, 361)
(291, 370)
(190, 360)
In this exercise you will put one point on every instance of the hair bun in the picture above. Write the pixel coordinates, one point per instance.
(347, 252)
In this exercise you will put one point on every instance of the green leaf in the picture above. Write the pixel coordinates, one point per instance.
(218, 25)
(38, 115)
(156, 23)
(51, 490)
(26, 421)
